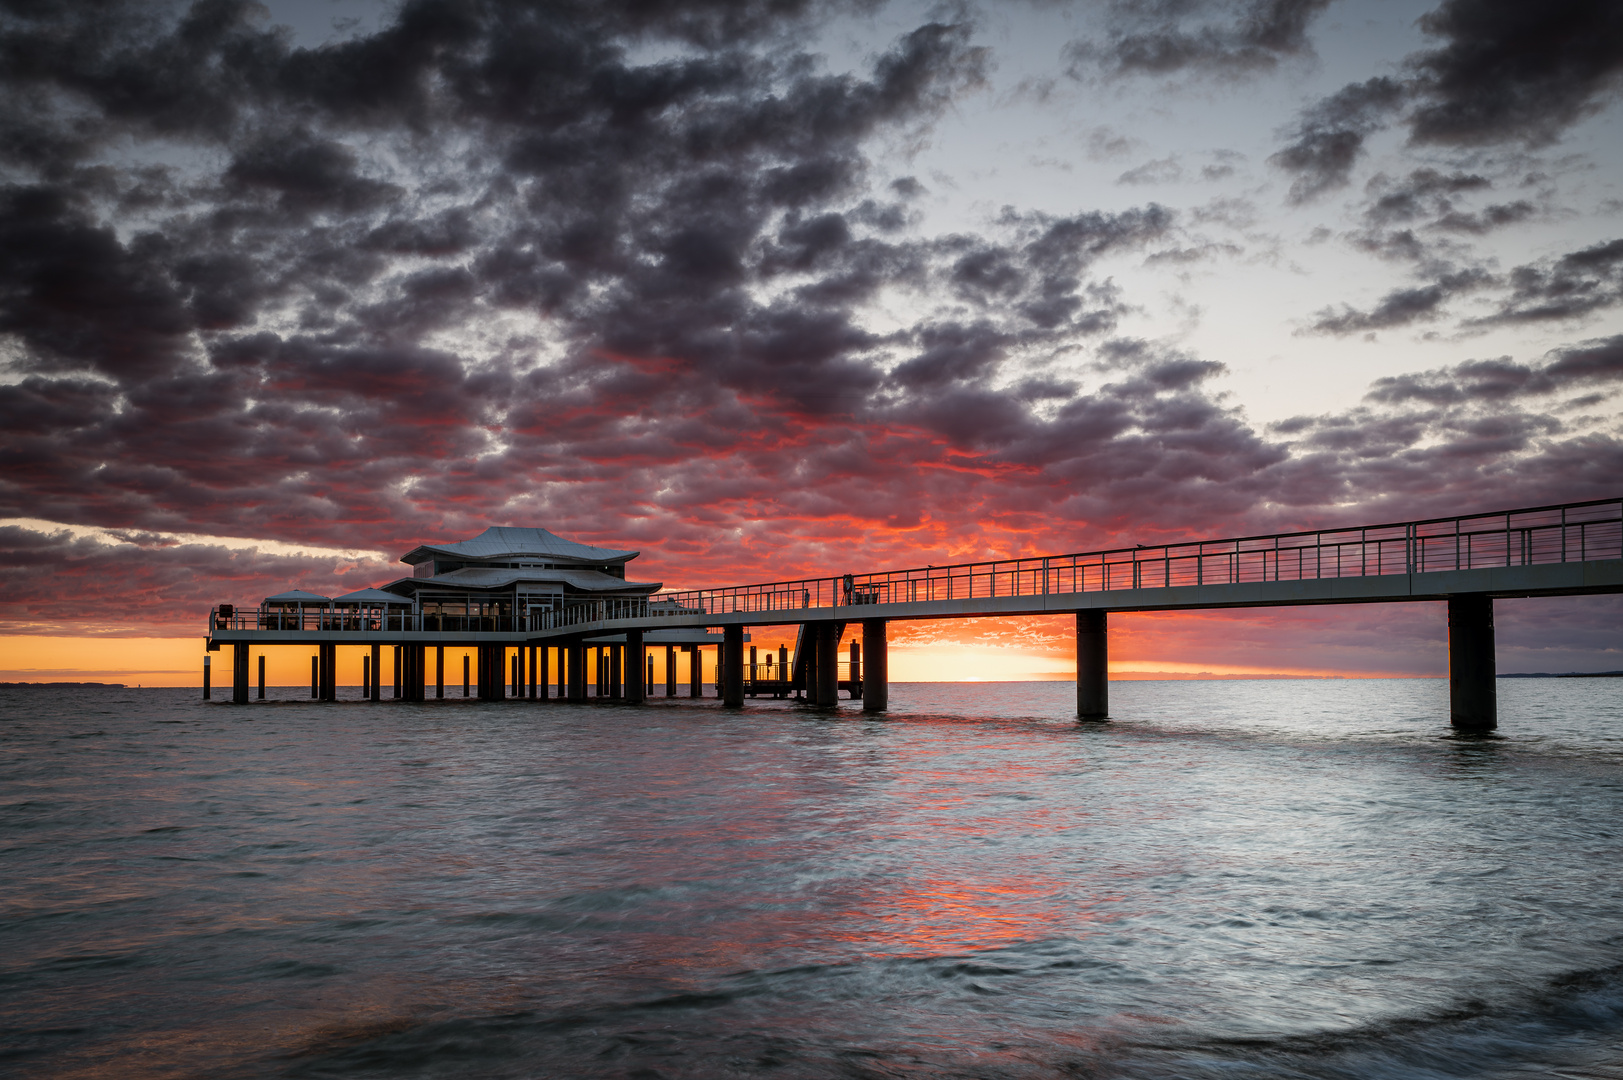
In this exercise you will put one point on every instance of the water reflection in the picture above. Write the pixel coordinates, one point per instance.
(1260, 877)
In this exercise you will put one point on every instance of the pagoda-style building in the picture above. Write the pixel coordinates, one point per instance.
(507, 571)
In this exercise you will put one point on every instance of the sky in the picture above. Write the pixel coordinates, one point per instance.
(783, 288)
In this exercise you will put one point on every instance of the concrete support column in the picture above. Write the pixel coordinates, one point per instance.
(329, 673)
(531, 650)
(518, 680)
(876, 677)
(374, 685)
(543, 655)
(670, 671)
(208, 669)
(239, 673)
(464, 674)
(261, 676)
(397, 671)
(419, 673)
(1092, 662)
(808, 670)
(577, 672)
(731, 675)
(636, 667)
(695, 671)
(1472, 694)
(439, 671)
(315, 674)
(828, 665)
(854, 670)
(620, 673)
(752, 672)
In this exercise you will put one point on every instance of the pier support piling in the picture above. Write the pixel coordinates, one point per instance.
(261, 676)
(670, 671)
(543, 659)
(1092, 663)
(207, 668)
(577, 672)
(828, 665)
(1472, 694)
(439, 671)
(731, 675)
(695, 671)
(374, 684)
(876, 676)
(636, 668)
(328, 656)
(239, 673)
(315, 675)
(464, 674)
(855, 668)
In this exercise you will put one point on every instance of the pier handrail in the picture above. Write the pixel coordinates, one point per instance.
(1565, 532)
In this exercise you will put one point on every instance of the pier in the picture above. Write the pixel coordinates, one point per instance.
(491, 597)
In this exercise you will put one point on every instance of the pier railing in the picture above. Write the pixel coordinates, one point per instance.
(1572, 532)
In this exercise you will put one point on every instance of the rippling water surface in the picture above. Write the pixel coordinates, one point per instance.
(1244, 879)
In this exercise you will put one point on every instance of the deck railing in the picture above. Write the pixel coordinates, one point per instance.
(1572, 532)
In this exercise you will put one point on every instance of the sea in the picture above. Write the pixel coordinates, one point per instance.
(1237, 879)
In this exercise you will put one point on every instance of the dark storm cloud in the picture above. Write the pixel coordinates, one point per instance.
(1503, 71)
(1500, 380)
(1570, 287)
(1163, 37)
(1401, 307)
(1329, 137)
(1512, 70)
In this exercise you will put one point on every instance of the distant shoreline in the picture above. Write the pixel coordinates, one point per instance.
(60, 685)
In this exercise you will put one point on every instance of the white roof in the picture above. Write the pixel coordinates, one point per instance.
(510, 540)
(296, 596)
(370, 596)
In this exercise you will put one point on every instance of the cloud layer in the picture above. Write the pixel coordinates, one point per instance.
(646, 274)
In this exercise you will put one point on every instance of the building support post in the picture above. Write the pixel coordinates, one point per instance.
(518, 680)
(542, 660)
(731, 665)
(261, 676)
(828, 665)
(876, 678)
(1472, 694)
(329, 677)
(808, 669)
(396, 672)
(577, 671)
(1092, 662)
(464, 674)
(239, 673)
(636, 668)
(619, 672)
(855, 668)
(439, 671)
(670, 671)
(695, 671)
(208, 664)
(375, 683)
(531, 651)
